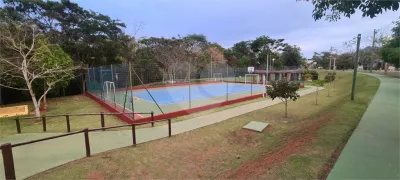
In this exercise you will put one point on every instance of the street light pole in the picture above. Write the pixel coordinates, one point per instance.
(266, 78)
(355, 67)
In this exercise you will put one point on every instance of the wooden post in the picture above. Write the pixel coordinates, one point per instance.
(102, 120)
(44, 123)
(134, 134)
(152, 118)
(68, 125)
(169, 127)
(18, 126)
(87, 143)
(8, 161)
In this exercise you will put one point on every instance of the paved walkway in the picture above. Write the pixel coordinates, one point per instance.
(372, 151)
(38, 157)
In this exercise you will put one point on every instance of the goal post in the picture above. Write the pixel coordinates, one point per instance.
(108, 88)
(251, 78)
(217, 76)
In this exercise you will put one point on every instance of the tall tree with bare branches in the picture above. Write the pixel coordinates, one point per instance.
(27, 58)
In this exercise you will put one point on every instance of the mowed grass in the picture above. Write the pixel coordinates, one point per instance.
(213, 151)
(71, 104)
(81, 104)
(318, 157)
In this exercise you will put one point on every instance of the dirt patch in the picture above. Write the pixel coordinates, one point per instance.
(294, 143)
(95, 175)
(241, 136)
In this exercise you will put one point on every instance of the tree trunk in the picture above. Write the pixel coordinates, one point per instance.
(44, 98)
(370, 66)
(316, 99)
(286, 109)
(35, 103)
(83, 79)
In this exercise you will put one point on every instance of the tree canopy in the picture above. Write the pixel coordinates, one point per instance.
(28, 59)
(334, 10)
(390, 51)
(284, 90)
(291, 56)
(87, 36)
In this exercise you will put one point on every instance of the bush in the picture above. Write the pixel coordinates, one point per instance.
(330, 77)
(314, 74)
(319, 83)
(308, 75)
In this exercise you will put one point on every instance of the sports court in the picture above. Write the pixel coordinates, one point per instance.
(180, 97)
(178, 92)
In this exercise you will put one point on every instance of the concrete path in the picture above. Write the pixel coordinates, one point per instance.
(372, 151)
(38, 157)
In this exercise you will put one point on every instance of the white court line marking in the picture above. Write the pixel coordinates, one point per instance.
(123, 107)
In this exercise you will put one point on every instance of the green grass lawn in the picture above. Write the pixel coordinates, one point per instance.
(70, 104)
(298, 147)
(82, 104)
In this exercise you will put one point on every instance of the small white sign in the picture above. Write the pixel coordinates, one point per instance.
(250, 69)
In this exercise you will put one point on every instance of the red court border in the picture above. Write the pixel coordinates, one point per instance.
(173, 114)
(168, 115)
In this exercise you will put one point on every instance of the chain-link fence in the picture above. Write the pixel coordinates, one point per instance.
(177, 87)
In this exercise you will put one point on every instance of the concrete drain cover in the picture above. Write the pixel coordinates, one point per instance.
(256, 126)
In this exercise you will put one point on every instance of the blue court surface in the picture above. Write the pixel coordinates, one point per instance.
(170, 95)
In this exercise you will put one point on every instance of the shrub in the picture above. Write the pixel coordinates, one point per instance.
(314, 74)
(308, 75)
(330, 77)
(319, 83)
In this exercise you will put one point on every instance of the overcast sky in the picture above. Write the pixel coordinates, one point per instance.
(231, 21)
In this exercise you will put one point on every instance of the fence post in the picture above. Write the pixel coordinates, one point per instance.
(44, 123)
(102, 120)
(68, 125)
(8, 161)
(18, 126)
(169, 127)
(134, 134)
(87, 143)
(152, 118)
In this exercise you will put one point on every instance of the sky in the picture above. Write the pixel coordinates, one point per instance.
(230, 21)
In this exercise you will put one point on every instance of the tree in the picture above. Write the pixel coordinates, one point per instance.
(244, 61)
(284, 90)
(170, 54)
(230, 57)
(27, 58)
(291, 56)
(265, 48)
(88, 37)
(318, 83)
(216, 54)
(334, 10)
(322, 59)
(390, 51)
(345, 61)
(242, 48)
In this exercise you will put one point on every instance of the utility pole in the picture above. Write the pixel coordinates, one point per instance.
(131, 88)
(330, 59)
(355, 67)
(211, 75)
(266, 78)
(1, 99)
(334, 64)
(373, 50)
